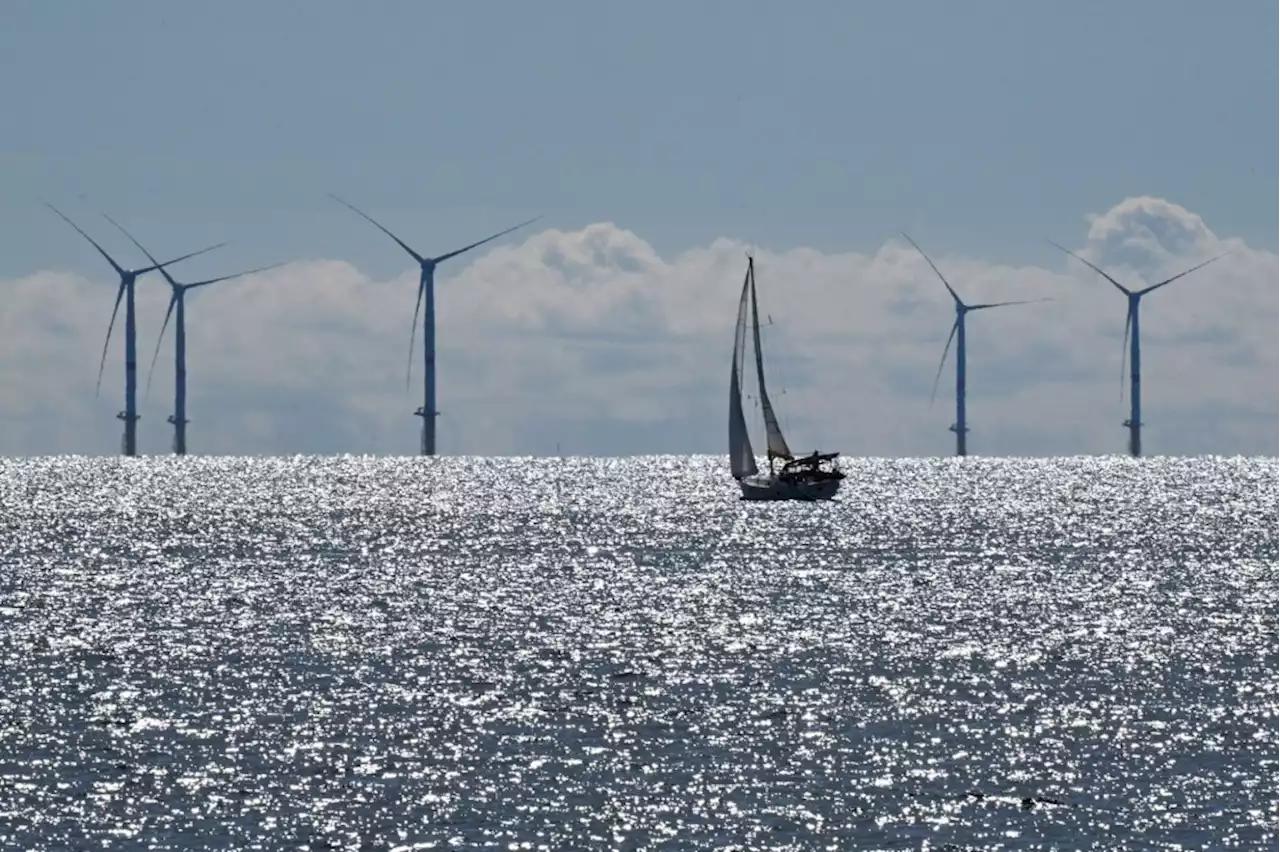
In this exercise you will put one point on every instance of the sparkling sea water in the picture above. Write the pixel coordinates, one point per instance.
(469, 653)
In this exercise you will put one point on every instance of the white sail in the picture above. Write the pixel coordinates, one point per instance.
(742, 458)
(814, 477)
(777, 444)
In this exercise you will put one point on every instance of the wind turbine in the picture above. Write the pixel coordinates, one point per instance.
(127, 279)
(427, 303)
(1134, 423)
(960, 427)
(177, 305)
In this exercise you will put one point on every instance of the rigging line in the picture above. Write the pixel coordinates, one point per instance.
(757, 339)
(780, 377)
(785, 419)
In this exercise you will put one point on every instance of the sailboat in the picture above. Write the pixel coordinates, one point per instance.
(812, 477)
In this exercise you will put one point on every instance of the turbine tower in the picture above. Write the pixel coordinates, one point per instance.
(960, 427)
(1134, 423)
(129, 444)
(427, 303)
(177, 306)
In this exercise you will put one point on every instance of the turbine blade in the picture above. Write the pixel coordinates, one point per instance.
(1004, 304)
(119, 269)
(173, 301)
(445, 257)
(150, 256)
(1118, 285)
(935, 268)
(401, 242)
(161, 266)
(1180, 274)
(413, 330)
(938, 375)
(1124, 351)
(229, 277)
(155, 264)
(103, 363)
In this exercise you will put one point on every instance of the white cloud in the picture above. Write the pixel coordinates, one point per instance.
(590, 340)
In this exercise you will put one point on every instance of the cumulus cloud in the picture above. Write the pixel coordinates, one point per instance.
(590, 341)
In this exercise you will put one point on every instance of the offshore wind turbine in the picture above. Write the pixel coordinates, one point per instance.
(177, 307)
(960, 427)
(1134, 423)
(129, 443)
(427, 303)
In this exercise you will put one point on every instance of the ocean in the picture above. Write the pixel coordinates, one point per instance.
(574, 654)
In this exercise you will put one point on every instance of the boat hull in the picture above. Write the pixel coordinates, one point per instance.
(769, 487)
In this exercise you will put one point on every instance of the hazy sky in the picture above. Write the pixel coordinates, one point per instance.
(659, 140)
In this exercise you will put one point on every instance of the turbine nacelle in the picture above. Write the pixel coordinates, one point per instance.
(427, 265)
(128, 277)
(962, 310)
(1134, 299)
(179, 292)
(177, 301)
(1135, 295)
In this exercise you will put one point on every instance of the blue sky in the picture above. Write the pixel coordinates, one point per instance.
(982, 127)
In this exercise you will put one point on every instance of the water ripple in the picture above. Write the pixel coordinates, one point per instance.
(591, 653)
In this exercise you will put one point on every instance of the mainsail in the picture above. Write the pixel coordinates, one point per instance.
(742, 458)
(777, 444)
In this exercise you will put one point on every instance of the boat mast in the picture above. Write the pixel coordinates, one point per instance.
(776, 443)
(758, 354)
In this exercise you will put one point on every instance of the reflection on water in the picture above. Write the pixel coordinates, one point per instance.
(592, 653)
